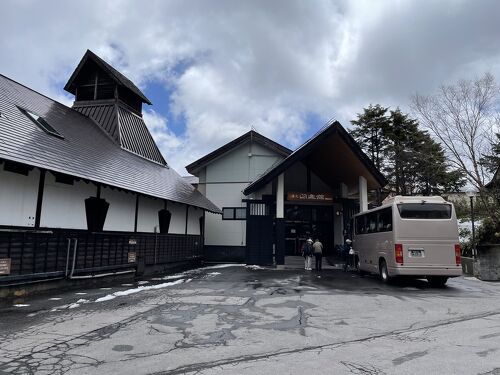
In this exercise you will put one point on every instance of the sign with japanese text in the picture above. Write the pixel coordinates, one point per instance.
(310, 197)
(5, 266)
(132, 257)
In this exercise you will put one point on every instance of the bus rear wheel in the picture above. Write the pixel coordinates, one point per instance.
(437, 281)
(384, 274)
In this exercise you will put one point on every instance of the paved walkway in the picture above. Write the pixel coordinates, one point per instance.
(297, 263)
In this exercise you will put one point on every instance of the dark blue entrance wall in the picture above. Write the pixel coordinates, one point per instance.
(224, 254)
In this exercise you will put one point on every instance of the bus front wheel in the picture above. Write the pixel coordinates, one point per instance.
(384, 274)
(437, 281)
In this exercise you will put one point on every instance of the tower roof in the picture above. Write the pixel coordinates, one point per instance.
(118, 77)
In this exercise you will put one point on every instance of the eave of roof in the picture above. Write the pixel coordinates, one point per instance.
(119, 77)
(86, 151)
(306, 149)
(195, 166)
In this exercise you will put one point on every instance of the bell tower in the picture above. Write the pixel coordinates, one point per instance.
(114, 103)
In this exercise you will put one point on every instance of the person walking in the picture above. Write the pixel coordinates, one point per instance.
(307, 252)
(346, 252)
(318, 253)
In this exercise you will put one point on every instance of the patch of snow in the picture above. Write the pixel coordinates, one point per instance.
(82, 300)
(80, 293)
(227, 265)
(73, 306)
(127, 284)
(254, 267)
(472, 278)
(140, 289)
(105, 288)
(106, 298)
(55, 299)
(143, 282)
(213, 273)
(20, 305)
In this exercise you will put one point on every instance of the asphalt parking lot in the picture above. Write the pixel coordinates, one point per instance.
(232, 319)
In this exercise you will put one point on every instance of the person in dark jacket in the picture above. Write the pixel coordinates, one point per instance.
(307, 253)
(346, 252)
(318, 253)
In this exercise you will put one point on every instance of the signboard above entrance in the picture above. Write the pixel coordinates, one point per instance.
(310, 197)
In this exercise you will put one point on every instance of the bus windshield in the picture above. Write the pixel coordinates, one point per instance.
(424, 210)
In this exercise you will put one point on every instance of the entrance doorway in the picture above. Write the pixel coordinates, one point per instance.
(308, 221)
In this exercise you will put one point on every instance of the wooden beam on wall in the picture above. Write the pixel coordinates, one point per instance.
(187, 215)
(39, 199)
(136, 212)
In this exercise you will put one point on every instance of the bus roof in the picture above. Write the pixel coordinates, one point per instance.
(413, 199)
(390, 201)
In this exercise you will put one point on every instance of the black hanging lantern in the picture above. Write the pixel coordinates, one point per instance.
(96, 210)
(164, 217)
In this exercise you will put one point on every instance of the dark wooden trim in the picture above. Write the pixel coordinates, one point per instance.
(136, 212)
(39, 198)
(98, 192)
(307, 148)
(187, 216)
(308, 180)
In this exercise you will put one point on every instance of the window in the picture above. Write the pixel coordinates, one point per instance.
(41, 123)
(360, 225)
(372, 222)
(385, 220)
(234, 213)
(424, 210)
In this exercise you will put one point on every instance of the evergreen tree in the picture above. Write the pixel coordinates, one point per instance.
(369, 132)
(492, 160)
(412, 161)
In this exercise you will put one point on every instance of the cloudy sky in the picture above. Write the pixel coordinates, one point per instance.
(215, 68)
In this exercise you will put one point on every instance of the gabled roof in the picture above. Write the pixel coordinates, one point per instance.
(125, 127)
(85, 151)
(119, 78)
(312, 145)
(251, 135)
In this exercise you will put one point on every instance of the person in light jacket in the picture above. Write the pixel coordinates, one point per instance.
(318, 253)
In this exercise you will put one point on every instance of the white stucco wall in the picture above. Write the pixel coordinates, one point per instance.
(121, 212)
(223, 180)
(194, 220)
(242, 164)
(178, 220)
(18, 195)
(64, 205)
(147, 215)
(225, 232)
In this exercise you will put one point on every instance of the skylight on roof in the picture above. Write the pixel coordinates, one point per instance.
(40, 121)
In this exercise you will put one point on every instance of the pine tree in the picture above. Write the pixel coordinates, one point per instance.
(370, 132)
(411, 160)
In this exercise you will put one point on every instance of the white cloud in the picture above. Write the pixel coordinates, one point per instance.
(268, 64)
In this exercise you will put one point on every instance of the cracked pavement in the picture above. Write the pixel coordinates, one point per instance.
(236, 319)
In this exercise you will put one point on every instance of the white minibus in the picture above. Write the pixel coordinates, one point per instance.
(409, 236)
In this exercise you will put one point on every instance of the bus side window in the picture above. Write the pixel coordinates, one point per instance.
(372, 222)
(360, 225)
(385, 220)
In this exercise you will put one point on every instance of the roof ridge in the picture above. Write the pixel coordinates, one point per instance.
(33, 90)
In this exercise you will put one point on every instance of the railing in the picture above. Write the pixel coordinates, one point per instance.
(55, 253)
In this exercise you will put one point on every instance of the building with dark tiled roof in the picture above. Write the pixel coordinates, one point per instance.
(70, 176)
(273, 199)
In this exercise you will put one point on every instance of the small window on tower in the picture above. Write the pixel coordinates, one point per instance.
(40, 121)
